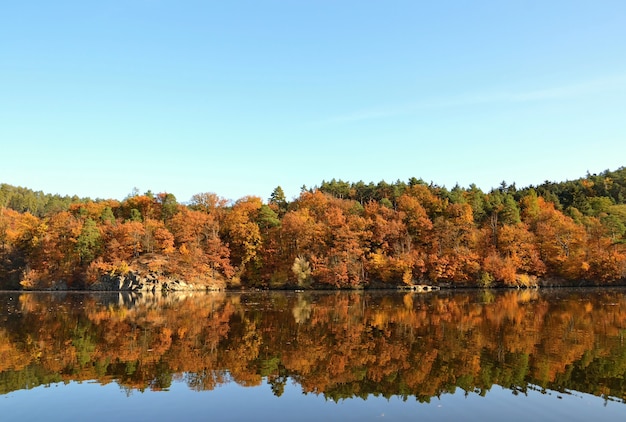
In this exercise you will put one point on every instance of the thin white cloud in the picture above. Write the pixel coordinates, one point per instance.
(369, 115)
(571, 91)
(546, 94)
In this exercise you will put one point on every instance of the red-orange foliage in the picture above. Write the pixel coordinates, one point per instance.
(318, 240)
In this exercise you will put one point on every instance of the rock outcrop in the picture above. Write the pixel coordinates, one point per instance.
(150, 282)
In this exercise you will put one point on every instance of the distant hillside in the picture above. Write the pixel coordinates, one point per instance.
(37, 203)
(588, 194)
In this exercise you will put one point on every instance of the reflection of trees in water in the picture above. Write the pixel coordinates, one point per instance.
(301, 310)
(340, 344)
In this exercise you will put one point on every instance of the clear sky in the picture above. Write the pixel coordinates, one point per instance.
(238, 97)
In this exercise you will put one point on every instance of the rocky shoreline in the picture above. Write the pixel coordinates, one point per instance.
(150, 282)
(139, 281)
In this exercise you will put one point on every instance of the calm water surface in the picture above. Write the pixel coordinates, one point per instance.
(478, 355)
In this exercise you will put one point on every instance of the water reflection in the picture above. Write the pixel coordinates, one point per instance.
(340, 345)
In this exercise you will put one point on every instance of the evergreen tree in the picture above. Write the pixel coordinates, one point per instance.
(88, 242)
(278, 199)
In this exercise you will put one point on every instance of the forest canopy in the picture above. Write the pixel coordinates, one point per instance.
(336, 235)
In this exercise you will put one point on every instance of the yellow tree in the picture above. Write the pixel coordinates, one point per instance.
(243, 234)
(605, 260)
(392, 258)
(559, 239)
(452, 249)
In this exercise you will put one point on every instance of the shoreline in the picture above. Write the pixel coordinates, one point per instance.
(178, 286)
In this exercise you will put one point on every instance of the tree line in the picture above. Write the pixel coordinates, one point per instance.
(336, 235)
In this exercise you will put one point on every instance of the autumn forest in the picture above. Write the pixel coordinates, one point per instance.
(335, 235)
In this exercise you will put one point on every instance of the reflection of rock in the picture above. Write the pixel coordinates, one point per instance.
(144, 283)
(159, 298)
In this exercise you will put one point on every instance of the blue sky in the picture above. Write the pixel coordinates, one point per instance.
(237, 97)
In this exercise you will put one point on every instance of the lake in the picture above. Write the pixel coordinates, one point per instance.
(477, 355)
